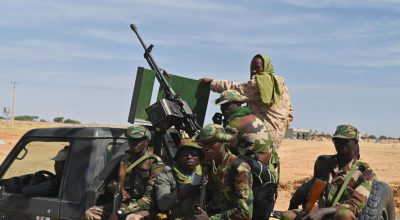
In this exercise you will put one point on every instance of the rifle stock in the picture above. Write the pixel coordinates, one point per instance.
(315, 192)
(117, 198)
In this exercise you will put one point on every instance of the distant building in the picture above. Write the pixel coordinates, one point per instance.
(299, 133)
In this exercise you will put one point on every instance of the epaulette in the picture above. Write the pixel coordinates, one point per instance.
(167, 169)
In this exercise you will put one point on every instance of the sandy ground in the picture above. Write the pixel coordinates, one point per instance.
(297, 159)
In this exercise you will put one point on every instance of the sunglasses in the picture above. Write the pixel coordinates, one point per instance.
(194, 153)
(135, 140)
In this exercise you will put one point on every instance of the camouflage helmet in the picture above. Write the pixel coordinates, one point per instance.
(138, 131)
(230, 96)
(214, 132)
(346, 132)
(187, 143)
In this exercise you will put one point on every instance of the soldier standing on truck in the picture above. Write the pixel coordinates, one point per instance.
(143, 168)
(346, 182)
(254, 145)
(268, 96)
(175, 190)
(226, 199)
(252, 137)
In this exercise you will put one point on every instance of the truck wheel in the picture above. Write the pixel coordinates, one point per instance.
(380, 204)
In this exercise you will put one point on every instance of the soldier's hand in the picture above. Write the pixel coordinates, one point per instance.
(125, 195)
(206, 80)
(319, 214)
(202, 215)
(188, 190)
(93, 213)
(144, 201)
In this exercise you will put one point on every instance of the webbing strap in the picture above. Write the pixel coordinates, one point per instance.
(354, 167)
(141, 159)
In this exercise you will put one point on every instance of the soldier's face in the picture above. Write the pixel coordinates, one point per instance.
(212, 149)
(228, 108)
(345, 149)
(137, 145)
(188, 159)
(257, 66)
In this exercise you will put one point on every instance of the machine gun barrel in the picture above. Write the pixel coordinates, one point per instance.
(153, 65)
(189, 123)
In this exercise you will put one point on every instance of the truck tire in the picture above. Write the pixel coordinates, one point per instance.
(380, 204)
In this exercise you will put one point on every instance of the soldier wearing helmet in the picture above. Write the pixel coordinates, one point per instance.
(335, 169)
(143, 168)
(226, 199)
(176, 189)
(252, 137)
(268, 96)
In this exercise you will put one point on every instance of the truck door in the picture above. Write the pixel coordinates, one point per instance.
(29, 188)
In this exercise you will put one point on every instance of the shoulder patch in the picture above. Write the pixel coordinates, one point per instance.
(167, 169)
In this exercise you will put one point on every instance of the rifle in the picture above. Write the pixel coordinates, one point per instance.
(170, 111)
(315, 192)
(203, 189)
(117, 198)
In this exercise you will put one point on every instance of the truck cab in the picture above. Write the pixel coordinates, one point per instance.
(91, 151)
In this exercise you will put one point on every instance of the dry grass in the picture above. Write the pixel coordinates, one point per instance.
(297, 159)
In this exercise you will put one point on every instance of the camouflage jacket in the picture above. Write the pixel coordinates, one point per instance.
(276, 117)
(358, 189)
(226, 202)
(167, 196)
(250, 132)
(139, 184)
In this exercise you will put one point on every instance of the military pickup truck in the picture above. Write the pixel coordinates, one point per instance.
(93, 154)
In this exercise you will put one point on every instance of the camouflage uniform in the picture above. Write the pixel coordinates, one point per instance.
(359, 187)
(277, 117)
(167, 185)
(251, 133)
(140, 180)
(227, 200)
(138, 183)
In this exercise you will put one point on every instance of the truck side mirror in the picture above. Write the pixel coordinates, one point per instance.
(22, 154)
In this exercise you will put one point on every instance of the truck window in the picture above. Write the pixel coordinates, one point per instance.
(39, 157)
(34, 174)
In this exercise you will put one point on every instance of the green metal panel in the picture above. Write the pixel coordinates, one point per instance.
(193, 92)
(142, 93)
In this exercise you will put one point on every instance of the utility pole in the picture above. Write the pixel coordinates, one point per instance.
(13, 102)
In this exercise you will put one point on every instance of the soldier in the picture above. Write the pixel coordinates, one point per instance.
(140, 179)
(252, 137)
(175, 192)
(44, 183)
(227, 199)
(268, 96)
(335, 169)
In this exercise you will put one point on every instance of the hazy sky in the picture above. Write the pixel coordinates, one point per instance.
(78, 59)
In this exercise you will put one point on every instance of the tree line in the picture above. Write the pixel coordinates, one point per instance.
(58, 119)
